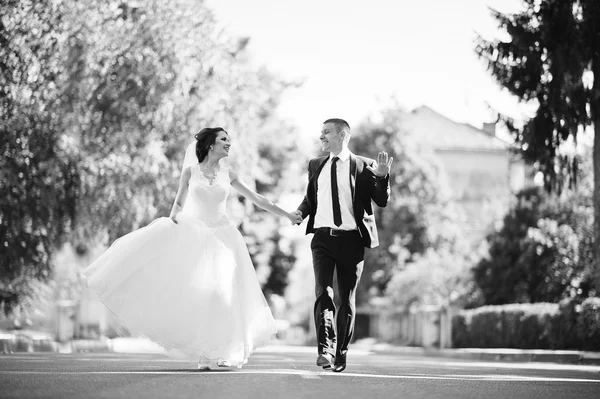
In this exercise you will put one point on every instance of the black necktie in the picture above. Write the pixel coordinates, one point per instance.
(337, 214)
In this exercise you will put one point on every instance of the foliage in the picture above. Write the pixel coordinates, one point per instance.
(588, 324)
(546, 61)
(549, 259)
(138, 95)
(120, 68)
(402, 224)
(572, 324)
(281, 263)
(417, 231)
(522, 326)
(552, 61)
(38, 178)
(173, 74)
(563, 330)
(538, 254)
(440, 276)
(110, 95)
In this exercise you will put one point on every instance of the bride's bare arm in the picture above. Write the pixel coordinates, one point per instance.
(258, 199)
(181, 193)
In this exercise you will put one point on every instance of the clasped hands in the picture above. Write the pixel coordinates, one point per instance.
(295, 217)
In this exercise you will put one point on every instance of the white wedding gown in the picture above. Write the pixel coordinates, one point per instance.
(190, 286)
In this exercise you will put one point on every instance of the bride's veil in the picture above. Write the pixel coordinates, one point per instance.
(190, 158)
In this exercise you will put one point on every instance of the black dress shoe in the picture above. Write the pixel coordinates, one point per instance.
(325, 360)
(339, 367)
(340, 364)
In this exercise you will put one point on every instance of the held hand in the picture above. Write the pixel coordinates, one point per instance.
(295, 217)
(382, 166)
(299, 217)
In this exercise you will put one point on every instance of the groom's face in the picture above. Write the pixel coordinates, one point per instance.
(331, 139)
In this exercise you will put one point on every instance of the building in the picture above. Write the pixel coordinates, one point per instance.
(481, 172)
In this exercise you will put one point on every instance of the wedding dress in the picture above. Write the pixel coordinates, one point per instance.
(191, 286)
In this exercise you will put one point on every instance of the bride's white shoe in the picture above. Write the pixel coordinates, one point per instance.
(204, 364)
(223, 363)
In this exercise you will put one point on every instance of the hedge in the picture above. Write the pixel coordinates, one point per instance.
(566, 325)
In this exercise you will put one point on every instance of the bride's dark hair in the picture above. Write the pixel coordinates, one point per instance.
(204, 139)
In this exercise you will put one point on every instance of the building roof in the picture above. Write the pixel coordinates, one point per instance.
(445, 134)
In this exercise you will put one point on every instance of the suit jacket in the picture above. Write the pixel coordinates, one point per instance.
(366, 188)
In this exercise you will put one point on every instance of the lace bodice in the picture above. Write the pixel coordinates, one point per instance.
(207, 200)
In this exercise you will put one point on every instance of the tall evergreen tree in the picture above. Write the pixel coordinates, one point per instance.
(553, 60)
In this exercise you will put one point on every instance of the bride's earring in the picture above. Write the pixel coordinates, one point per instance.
(211, 148)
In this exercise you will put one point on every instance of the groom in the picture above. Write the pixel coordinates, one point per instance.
(341, 187)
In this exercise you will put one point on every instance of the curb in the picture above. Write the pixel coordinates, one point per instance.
(497, 354)
(102, 345)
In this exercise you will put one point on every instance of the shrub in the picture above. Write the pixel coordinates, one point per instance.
(563, 332)
(518, 326)
(571, 324)
(460, 331)
(588, 324)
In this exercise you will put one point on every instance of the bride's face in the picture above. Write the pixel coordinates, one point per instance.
(221, 145)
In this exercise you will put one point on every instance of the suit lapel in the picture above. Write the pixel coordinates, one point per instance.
(353, 172)
(315, 176)
(320, 165)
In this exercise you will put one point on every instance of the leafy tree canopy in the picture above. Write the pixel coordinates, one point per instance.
(99, 102)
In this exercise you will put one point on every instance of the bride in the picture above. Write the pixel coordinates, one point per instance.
(187, 282)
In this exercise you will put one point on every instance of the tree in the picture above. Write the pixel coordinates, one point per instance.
(163, 72)
(38, 178)
(541, 253)
(274, 176)
(440, 276)
(549, 260)
(551, 60)
(110, 94)
(408, 225)
(121, 68)
(281, 263)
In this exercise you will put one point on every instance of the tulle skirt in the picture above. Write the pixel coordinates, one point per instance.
(190, 288)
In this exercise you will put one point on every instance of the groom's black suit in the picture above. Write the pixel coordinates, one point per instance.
(343, 250)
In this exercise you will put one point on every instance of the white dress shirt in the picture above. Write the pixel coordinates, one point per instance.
(324, 214)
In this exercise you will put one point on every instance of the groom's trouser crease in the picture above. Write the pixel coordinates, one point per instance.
(346, 255)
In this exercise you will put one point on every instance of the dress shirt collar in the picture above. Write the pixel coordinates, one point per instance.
(343, 155)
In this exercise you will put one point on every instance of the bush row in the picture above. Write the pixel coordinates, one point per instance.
(570, 324)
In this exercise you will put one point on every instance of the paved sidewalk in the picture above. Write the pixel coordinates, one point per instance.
(489, 354)
(27, 341)
(140, 345)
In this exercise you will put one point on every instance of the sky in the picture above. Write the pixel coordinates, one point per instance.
(358, 56)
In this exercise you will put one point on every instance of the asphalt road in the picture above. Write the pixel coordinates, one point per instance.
(284, 372)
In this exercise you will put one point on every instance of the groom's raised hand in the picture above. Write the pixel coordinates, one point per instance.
(382, 166)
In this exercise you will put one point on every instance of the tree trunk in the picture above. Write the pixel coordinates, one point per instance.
(597, 195)
(596, 117)
(593, 13)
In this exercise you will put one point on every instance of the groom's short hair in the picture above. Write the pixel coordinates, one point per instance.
(339, 124)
